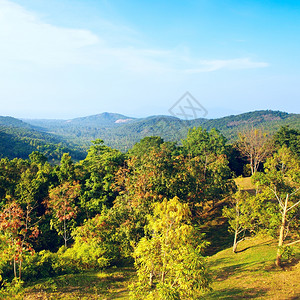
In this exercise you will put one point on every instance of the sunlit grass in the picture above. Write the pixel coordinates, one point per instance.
(244, 183)
(251, 273)
(107, 284)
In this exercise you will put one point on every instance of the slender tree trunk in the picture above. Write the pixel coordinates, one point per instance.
(163, 276)
(65, 233)
(281, 234)
(251, 165)
(15, 267)
(20, 268)
(151, 278)
(235, 241)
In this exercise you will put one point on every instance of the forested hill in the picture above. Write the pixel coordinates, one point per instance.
(18, 138)
(122, 132)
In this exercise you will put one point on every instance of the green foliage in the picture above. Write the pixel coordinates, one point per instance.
(145, 145)
(12, 290)
(244, 215)
(99, 168)
(209, 162)
(95, 243)
(168, 260)
(19, 142)
(110, 208)
(288, 137)
(280, 186)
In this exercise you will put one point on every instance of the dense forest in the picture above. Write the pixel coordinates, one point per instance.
(18, 139)
(161, 207)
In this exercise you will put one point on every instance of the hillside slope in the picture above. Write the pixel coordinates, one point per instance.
(251, 273)
(18, 139)
(248, 274)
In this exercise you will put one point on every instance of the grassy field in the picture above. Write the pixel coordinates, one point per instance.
(248, 274)
(251, 273)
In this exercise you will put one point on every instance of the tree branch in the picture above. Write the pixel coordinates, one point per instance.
(293, 206)
(293, 243)
(279, 200)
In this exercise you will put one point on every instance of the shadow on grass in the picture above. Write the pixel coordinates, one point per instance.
(236, 293)
(226, 272)
(255, 246)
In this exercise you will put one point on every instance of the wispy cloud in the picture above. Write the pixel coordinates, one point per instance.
(229, 64)
(24, 37)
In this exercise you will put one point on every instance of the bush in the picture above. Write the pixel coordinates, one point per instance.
(12, 290)
(40, 265)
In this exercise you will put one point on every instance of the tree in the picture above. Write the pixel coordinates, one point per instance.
(256, 145)
(66, 171)
(16, 227)
(208, 162)
(63, 208)
(37, 158)
(288, 137)
(242, 215)
(168, 259)
(204, 144)
(281, 183)
(145, 145)
(99, 168)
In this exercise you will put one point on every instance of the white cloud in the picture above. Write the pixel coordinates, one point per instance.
(24, 37)
(230, 64)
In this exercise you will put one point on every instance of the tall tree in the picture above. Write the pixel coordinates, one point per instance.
(281, 183)
(204, 144)
(99, 168)
(256, 145)
(62, 206)
(243, 215)
(207, 157)
(288, 137)
(17, 229)
(168, 260)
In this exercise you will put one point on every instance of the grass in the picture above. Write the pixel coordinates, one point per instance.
(245, 183)
(251, 273)
(248, 274)
(107, 284)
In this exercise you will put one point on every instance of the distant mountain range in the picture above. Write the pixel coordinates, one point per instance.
(53, 137)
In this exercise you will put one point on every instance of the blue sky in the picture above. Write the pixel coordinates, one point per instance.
(71, 58)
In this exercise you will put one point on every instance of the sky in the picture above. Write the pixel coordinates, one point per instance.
(72, 58)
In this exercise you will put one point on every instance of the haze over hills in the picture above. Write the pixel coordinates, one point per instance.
(53, 137)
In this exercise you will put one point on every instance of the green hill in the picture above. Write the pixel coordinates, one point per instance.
(18, 139)
(125, 133)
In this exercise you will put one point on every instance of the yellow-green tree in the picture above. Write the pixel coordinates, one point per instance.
(280, 186)
(168, 259)
(243, 215)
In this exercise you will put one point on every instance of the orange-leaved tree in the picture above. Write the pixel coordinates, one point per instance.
(62, 205)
